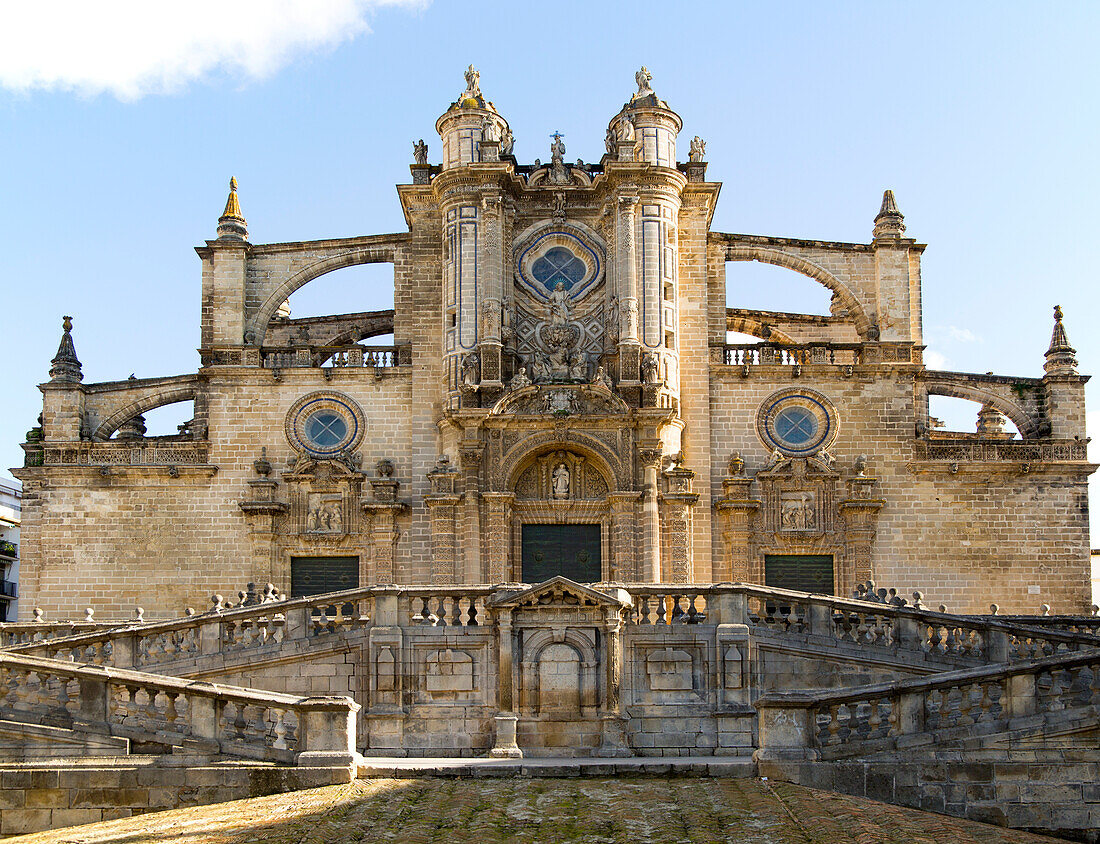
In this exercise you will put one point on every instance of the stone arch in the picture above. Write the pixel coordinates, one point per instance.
(142, 405)
(1020, 417)
(583, 694)
(757, 328)
(257, 326)
(383, 324)
(807, 268)
(516, 460)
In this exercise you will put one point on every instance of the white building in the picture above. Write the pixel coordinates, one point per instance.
(11, 499)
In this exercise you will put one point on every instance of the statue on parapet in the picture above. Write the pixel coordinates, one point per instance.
(643, 77)
(473, 89)
(420, 152)
(698, 149)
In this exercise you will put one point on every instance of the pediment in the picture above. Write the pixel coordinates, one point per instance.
(562, 592)
(814, 468)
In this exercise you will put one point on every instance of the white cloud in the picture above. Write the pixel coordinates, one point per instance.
(963, 335)
(131, 48)
(934, 360)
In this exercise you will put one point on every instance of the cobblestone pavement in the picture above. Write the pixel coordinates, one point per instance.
(592, 811)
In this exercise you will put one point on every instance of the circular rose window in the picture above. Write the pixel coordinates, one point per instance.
(324, 424)
(799, 423)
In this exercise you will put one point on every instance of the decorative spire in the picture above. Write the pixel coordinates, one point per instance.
(889, 223)
(1060, 355)
(65, 365)
(231, 224)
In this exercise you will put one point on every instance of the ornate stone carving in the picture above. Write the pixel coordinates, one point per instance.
(420, 152)
(698, 149)
(797, 511)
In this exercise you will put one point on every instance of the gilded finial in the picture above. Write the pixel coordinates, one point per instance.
(232, 224)
(1057, 313)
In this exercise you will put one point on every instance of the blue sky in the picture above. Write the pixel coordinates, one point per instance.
(119, 131)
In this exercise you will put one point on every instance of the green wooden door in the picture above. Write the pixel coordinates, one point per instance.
(317, 575)
(572, 551)
(801, 572)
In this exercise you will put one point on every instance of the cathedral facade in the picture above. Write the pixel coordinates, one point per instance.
(560, 398)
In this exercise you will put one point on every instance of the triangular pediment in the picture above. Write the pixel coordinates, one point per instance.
(561, 592)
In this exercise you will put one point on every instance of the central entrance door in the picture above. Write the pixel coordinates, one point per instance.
(572, 551)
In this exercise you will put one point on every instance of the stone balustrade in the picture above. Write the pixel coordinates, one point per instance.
(1018, 451)
(170, 452)
(976, 640)
(895, 716)
(15, 633)
(766, 354)
(349, 356)
(166, 711)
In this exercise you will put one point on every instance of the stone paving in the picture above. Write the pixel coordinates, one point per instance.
(590, 810)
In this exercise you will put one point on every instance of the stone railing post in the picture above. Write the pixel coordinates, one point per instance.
(821, 618)
(385, 608)
(908, 632)
(786, 725)
(504, 743)
(910, 718)
(210, 637)
(1021, 698)
(124, 650)
(93, 696)
(998, 644)
(203, 711)
(728, 607)
(327, 731)
(298, 623)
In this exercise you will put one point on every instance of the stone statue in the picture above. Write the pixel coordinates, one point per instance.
(698, 149)
(625, 130)
(578, 366)
(643, 77)
(602, 379)
(519, 380)
(612, 320)
(558, 364)
(490, 132)
(507, 142)
(471, 371)
(560, 479)
(559, 305)
(420, 152)
(473, 89)
(557, 149)
(609, 141)
(335, 520)
(649, 369)
(861, 465)
(559, 206)
(313, 521)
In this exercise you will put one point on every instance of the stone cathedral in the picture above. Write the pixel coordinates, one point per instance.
(559, 398)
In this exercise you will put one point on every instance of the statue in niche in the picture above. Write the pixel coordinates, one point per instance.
(420, 152)
(560, 481)
(611, 322)
(507, 142)
(649, 369)
(698, 149)
(578, 366)
(559, 206)
(560, 308)
(471, 371)
(519, 380)
(473, 89)
(490, 132)
(602, 379)
(643, 77)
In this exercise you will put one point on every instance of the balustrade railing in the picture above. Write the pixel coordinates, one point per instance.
(670, 605)
(765, 354)
(444, 607)
(233, 721)
(1022, 451)
(136, 453)
(954, 704)
(14, 633)
(355, 355)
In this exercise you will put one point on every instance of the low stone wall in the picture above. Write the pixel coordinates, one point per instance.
(1056, 794)
(34, 798)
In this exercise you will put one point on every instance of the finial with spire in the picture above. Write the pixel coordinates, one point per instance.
(1060, 358)
(889, 223)
(65, 366)
(231, 224)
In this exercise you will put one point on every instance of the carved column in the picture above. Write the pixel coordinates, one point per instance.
(442, 503)
(651, 517)
(623, 565)
(504, 744)
(627, 272)
(613, 739)
(676, 526)
(498, 535)
(471, 452)
(859, 513)
(736, 512)
(382, 511)
(492, 296)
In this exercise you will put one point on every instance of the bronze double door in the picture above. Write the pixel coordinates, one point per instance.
(571, 551)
